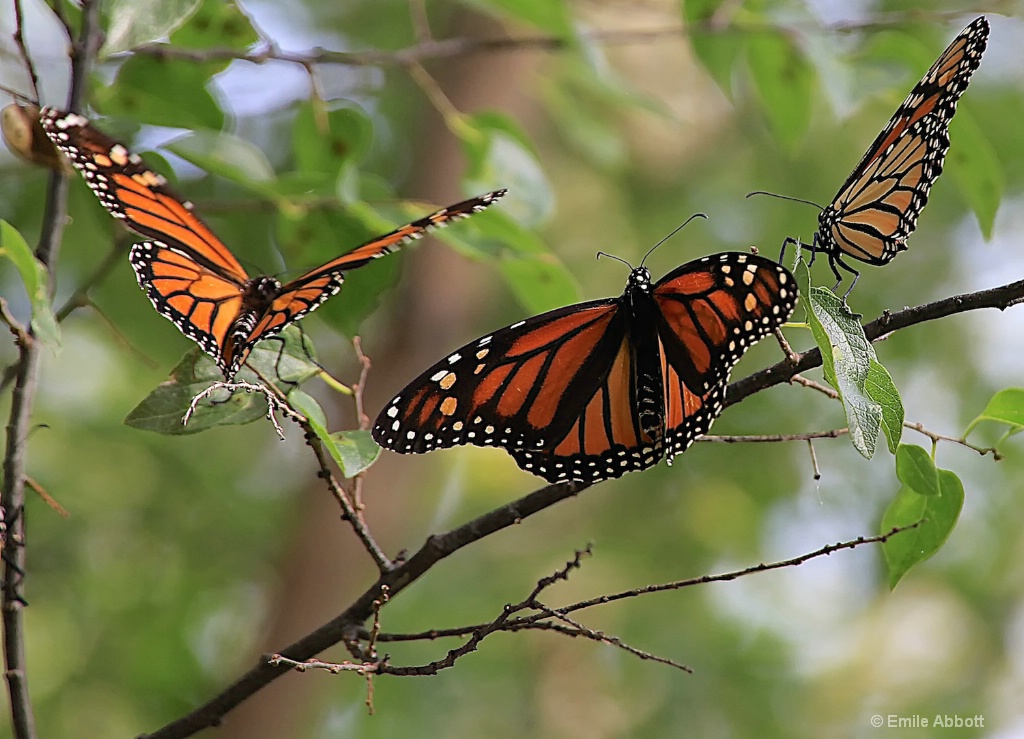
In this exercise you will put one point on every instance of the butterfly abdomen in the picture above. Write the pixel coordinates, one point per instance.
(644, 345)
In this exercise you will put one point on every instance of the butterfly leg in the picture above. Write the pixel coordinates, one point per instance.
(835, 261)
(785, 243)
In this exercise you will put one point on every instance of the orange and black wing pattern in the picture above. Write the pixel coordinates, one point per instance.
(548, 390)
(306, 293)
(710, 312)
(135, 194)
(562, 392)
(877, 207)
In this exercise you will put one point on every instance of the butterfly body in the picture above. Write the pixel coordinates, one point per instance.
(598, 389)
(189, 275)
(878, 205)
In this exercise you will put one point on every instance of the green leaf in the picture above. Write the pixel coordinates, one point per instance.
(972, 162)
(347, 137)
(717, 50)
(937, 513)
(500, 156)
(1006, 406)
(354, 451)
(881, 389)
(220, 24)
(226, 155)
(540, 282)
(36, 281)
(161, 92)
(785, 84)
(308, 406)
(846, 359)
(163, 409)
(548, 15)
(132, 23)
(286, 359)
(915, 469)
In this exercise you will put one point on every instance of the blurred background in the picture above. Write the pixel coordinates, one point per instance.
(185, 558)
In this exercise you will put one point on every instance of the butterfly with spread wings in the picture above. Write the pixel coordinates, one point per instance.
(598, 389)
(189, 275)
(877, 207)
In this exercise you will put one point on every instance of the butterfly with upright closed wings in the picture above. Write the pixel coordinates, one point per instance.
(877, 207)
(598, 389)
(189, 275)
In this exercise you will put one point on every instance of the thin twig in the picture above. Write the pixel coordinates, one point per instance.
(935, 437)
(578, 629)
(425, 50)
(814, 460)
(19, 39)
(538, 621)
(809, 383)
(773, 438)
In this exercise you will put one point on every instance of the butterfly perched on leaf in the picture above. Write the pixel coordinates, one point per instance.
(877, 207)
(598, 389)
(189, 275)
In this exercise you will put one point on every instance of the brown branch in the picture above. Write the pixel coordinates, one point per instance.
(962, 441)
(539, 621)
(428, 49)
(773, 438)
(83, 52)
(998, 297)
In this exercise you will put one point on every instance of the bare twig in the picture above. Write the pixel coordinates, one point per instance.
(814, 460)
(19, 39)
(809, 383)
(774, 438)
(935, 437)
(538, 621)
(577, 629)
(429, 49)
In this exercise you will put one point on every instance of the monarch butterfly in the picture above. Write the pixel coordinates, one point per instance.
(877, 207)
(598, 389)
(190, 276)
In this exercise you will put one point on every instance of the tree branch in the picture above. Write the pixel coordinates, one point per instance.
(347, 625)
(22, 398)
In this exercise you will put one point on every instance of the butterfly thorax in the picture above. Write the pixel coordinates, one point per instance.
(646, 354)
(257, 297)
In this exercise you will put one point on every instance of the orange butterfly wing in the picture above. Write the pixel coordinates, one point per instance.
(561, 392)
(305, 294)
(135, 194)
(877, 207)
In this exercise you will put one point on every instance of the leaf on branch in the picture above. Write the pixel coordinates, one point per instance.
(784, 82)
(36, 280)
(847, 356)
(161, 92)
(938, 513)
(288, 359)
(132, 23)
(353, 451)
(1006, 407)
(217, 24)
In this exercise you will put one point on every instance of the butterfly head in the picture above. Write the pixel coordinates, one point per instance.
(639, 279)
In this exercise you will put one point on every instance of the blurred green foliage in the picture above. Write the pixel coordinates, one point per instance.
(176, 567)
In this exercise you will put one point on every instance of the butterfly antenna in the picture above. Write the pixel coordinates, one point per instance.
(784, 197)
(612, 256)
(674, 232)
